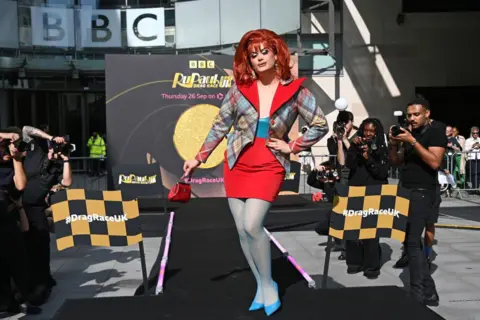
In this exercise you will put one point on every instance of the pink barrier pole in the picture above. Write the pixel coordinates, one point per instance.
(163, 263)
(311, 282)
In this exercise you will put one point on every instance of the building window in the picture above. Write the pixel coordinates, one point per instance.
(411, 6)
(317, 64)
(317, 5)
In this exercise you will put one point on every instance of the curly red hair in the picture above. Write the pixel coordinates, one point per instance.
(242, 69)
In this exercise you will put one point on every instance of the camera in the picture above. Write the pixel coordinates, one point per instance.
(64, 149)
(340, 126)
(371, 143)
(327, 174)
(401, 123)
(20, 145)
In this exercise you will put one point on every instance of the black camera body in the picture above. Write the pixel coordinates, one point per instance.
(371, 143)
(340, 126)
(20, 145)
(327, 175)
(401, 123)
(64, 149)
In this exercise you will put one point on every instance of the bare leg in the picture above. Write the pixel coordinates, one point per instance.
(237, 207)
(254, 215)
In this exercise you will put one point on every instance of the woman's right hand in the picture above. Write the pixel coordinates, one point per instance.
(189, 166)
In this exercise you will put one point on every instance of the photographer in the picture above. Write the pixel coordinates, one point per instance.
(367, 159)
(472, 146)
(13, 258)
(338, 145)
(324, 177)
(307, 159)
(339, 142)
(46, 164)
(421, 152)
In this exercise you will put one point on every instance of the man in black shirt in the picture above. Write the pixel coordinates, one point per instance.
(430, 228)
(44, 168)
(13, 256)
(421, 151)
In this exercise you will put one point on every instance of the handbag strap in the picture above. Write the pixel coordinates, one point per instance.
(183, 177)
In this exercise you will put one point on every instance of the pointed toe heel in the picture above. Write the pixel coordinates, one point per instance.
(272, 308)
(256, 306)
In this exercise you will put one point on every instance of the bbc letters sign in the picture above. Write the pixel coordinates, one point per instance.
(100, 28)
(52, 27)
(56, 27)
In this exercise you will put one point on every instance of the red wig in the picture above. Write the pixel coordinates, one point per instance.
(242, 69)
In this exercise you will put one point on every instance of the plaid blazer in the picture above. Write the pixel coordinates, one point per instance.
(240, 109)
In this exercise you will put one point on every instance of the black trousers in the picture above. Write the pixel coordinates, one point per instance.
(364, 254)
(38, 245)
(13, 258)
(473, 169)
(422, 211)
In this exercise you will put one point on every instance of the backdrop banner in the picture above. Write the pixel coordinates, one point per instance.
(137, 180)
(160, 109)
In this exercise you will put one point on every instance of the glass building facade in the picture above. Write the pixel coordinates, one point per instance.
(64, 84)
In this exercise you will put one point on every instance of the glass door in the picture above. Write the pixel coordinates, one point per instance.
(71, 121)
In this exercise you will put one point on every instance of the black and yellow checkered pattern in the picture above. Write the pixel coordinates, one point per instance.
(378, 211)
(95, 218)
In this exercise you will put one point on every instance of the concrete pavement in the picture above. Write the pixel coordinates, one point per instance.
(99, 272)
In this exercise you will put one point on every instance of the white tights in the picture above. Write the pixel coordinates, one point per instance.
(249, 215)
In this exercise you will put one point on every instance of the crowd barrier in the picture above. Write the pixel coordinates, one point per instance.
(459, 175)
(89, 173)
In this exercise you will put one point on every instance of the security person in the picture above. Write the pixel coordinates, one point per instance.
(421, 152)
(98, 150)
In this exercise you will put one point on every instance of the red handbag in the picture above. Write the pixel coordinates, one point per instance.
(181, 192)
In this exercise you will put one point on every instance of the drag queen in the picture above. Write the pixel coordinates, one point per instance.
(262, 106)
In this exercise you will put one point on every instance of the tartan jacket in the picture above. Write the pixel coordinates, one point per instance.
(240, 109)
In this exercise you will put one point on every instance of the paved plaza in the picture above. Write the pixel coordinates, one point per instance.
(100, 272)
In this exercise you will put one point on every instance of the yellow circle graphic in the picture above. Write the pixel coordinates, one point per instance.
(191, 130)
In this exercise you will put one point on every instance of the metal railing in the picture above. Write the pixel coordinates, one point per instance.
(463, 172)
(89, 173)
(458, 176)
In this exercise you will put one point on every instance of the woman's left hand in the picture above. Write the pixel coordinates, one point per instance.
(279, 145)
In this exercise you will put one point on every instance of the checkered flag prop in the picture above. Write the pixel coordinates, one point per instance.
(95, 218)
(370, 212)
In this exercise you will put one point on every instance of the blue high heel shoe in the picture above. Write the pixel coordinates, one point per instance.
(270, 309)
(256, 305)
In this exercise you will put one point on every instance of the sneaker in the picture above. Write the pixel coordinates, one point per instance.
(402, 262)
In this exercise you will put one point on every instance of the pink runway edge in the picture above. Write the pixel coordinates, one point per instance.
(163, 263)
(311, 282)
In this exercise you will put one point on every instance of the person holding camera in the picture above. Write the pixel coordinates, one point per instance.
(472, 146)
(338, 145)
(46, 164)
(13, 256)
(367, 160)
(421, 152)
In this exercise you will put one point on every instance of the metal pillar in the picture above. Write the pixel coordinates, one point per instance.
(332, 50)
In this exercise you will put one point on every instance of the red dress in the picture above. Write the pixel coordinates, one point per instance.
(257, 173)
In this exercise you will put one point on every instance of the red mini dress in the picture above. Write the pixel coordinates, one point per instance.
(257, 173)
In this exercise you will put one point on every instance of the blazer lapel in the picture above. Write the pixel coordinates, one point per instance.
(250, 92)
(285, 91)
